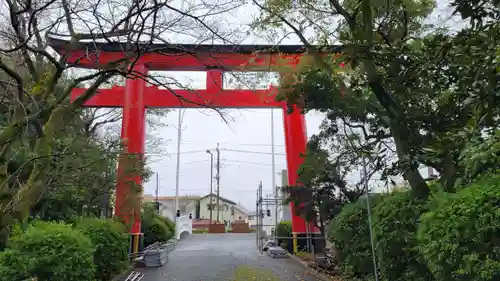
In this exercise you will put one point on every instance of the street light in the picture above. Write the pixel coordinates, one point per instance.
(211, 182)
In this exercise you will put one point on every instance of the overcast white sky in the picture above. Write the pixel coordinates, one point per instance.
(240, 172)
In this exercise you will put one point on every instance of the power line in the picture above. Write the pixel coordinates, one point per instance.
(168, 154)
(193, 189)
(246, 162)
(195, 162)
(223, 162)
(225, 149)
(233, 143)
(249, 151)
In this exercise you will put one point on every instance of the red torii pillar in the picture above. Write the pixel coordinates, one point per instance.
(133, 138)
(296, 147)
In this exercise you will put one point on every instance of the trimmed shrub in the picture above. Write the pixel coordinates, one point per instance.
(395, 222)
(284, 229)
(350, 233)
(13, 266)
(170, 224)
(460, 236)
(111, 242)
(155, 230)
(49, 251)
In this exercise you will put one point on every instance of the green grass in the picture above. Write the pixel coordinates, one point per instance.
(247, 273)
(200, 231)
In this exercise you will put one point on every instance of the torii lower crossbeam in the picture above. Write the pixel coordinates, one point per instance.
(155, 97)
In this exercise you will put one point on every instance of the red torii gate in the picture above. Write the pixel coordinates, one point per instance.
(136, 96)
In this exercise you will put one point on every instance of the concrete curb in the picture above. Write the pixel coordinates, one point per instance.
(316, 273)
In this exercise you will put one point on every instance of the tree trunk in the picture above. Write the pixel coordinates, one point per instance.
(418, 185)
(449, 174)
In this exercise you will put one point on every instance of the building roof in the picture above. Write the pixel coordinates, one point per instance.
(221, 198)
(241, 209)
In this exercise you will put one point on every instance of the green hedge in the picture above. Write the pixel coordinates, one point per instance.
(451, 237)
(48, 251)
(460, 236)
(395, 221)
(170, 224)
(111, 241)
(350, 234)
(284, 229)
(155, 230)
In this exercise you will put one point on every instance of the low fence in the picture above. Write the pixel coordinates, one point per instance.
(240, 227)
(217, 228)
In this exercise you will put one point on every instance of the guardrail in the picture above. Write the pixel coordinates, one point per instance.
(156, 255)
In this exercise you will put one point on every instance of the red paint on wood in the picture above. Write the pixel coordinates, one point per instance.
(210, 98)
(133, 140)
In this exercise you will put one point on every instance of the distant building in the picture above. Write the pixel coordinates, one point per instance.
(229, 211)
(187, 205)
(199, 207)
(252, 219)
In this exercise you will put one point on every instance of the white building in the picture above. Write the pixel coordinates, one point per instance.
(229, 211)
(252, 219)
(187, 205)
(199, 207)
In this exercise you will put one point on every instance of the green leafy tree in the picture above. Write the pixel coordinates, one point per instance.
(37, 143)
(323, 188)
(458, 237)
(402, 82)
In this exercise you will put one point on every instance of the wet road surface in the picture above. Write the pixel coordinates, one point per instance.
(228, 256)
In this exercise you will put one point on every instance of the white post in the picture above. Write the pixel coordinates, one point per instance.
(177, 175)
(273, 164)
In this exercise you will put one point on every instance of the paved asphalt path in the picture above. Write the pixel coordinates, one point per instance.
(215, 257)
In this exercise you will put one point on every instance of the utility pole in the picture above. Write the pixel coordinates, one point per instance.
(156, 193)
(177, 175)
(276, 202)
(218, 179)
(211, 183)
(260, 219)
(273, 168)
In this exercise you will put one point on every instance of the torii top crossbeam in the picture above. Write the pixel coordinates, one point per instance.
(187, 57)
